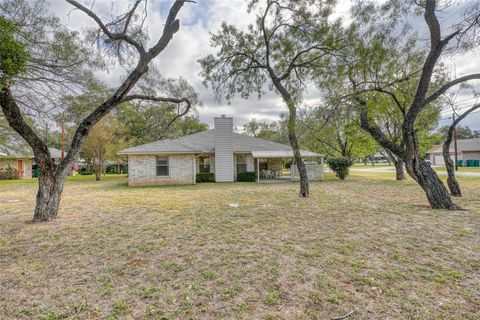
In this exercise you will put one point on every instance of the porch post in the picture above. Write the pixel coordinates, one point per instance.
(258, 170)
(194, 169)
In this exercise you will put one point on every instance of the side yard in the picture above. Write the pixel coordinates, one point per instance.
(369, 245)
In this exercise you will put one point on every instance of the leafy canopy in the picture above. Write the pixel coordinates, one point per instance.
(13, 55)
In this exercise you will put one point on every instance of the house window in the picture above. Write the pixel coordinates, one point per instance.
(241, 163)
(263, 164)
(204, 164)
(162, 166)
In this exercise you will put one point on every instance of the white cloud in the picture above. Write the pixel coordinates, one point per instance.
(192, 42)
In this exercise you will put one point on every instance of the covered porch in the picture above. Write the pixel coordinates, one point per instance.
(269, 166)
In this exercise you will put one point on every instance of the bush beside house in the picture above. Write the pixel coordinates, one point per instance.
(8, 174)
(205, 177)
(246, 177)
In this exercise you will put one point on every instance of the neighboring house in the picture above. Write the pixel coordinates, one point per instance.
(20, 160)
(220, 151)
(468, 149)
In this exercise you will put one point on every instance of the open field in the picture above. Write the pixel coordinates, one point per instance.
(369, 245)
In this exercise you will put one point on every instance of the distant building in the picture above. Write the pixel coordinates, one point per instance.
(22, 160)
(468, 149)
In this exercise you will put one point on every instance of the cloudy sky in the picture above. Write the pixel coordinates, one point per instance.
(191, 42)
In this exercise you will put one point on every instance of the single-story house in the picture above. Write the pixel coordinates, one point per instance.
(467, 149)
(22, 160)
(220, 151)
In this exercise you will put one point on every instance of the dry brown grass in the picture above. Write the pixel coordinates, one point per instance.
(368, 244)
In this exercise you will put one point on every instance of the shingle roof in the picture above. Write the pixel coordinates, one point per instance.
(205, 142)
(462, 145)
(17, 152)
(25, 152)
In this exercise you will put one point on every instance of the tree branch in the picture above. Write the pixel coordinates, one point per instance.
(15, 119)
(112, 36)
(171, 26)
(450, 84)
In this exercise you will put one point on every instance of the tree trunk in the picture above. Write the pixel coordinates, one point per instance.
(98, 170)
(292, 135)
(417, 168)
(399, 172)
(436, 192)
(48, 196)
(452, 182)
(398, 163)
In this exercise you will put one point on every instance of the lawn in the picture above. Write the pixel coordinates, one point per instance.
(460, 169)
(369, 245)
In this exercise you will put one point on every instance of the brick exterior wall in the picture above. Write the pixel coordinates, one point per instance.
(142, 170)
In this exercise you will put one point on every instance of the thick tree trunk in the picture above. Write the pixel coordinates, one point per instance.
(417, 168)
(48, 196)
(436, 192)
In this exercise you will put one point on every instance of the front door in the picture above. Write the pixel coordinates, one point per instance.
(20, 168)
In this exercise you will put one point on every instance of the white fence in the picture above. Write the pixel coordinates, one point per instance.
(314, 171)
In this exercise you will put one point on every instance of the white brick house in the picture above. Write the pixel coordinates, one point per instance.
(467, 149)
(219, 151)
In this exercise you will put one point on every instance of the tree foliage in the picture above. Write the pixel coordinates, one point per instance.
(280, 51)
(386, 53)
(13, 55)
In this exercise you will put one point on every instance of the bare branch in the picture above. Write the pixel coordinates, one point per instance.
(112, 36)
(163, 99)
(449, 85)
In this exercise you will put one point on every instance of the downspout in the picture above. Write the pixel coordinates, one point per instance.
(195, 167)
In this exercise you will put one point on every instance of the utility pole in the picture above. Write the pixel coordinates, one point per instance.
(455, 143)
(46, 133)
(63, 136)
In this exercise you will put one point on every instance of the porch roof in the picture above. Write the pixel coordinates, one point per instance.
(283, 154)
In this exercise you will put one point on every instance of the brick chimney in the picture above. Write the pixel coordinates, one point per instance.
(224, 149)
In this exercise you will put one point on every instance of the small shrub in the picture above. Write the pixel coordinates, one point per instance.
(288, 163)
(9, 174)
(246, 177)
(340, 166)
(205, 177)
